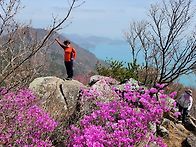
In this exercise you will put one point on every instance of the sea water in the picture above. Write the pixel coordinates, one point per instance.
(119, 52)
(122, 52)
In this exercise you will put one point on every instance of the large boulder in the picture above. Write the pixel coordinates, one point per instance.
(100, 90)
(58, 97)
(96, 78)
(103, 87)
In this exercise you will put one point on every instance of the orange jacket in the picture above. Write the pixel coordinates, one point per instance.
(69, 53)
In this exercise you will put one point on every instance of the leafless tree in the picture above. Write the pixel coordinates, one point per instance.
(22, 52)
(165, 44)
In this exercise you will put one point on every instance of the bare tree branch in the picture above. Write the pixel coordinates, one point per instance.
(168, 39)
(15, 45)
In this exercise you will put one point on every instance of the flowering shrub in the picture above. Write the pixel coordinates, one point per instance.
(23, 123)
(125, 121)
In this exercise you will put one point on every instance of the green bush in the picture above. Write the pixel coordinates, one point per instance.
(118, 70)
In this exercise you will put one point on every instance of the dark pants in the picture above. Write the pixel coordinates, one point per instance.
(184, 112)
(69, 68)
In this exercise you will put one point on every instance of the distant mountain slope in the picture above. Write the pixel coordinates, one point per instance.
(84, 64)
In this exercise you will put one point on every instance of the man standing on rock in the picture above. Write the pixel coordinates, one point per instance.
(184, 103)
(69, 56)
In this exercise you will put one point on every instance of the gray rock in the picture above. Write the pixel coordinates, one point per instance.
(57, 97)
(190, 125)
(96, 78)
(163, 132)
(153, 127)
(105, 90)
(190, 141)
(100, 91)
(166, 122)
(133, 85)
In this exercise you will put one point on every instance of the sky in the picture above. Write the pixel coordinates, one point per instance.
(105, 18)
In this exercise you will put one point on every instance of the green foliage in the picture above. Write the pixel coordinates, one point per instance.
(118, 70)
(3, 84)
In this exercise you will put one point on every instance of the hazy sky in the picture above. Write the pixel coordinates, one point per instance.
(107, 18)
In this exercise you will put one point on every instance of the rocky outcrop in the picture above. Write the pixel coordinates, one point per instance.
(176, 134)
(190, 140)
(104, 87)
(190, 125)
(99, 88)
(60, 98)
(57, 97)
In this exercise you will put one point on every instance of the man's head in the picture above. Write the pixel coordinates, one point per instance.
(189, 91)
(67, 42)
